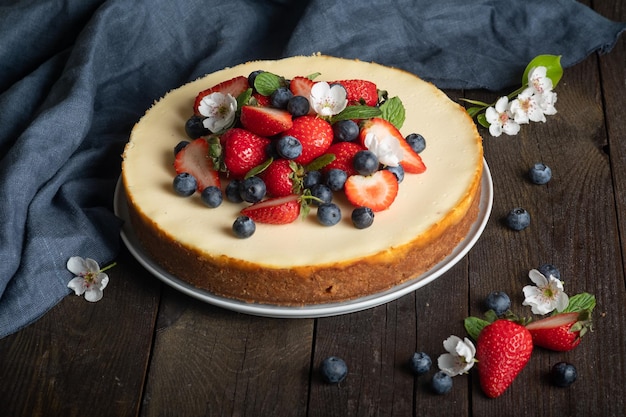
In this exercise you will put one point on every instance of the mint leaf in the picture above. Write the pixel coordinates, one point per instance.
(357, 112)
(266, 83)
(393, 111)
(244, 98)
(552, 64)
(474, 325)
(320, 162)
(580, 302)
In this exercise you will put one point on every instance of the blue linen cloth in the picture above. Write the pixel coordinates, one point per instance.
(76, 75)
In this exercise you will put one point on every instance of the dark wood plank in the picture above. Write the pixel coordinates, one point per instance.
(84, 358)
(213, 362)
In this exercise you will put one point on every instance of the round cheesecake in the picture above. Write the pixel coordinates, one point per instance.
(304, 263)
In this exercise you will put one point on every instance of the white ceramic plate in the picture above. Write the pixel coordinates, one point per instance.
(316, 310)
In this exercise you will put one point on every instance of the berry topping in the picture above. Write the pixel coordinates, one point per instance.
(336, 178)
(322, 194)
(315, 135)
(288, 147)
(185, 184)
(328, 214)
(365, 162)
(234, 87)
(416, 142)
(563, 374)
(282, 177)
(518, 219)
(265, 121)
(362, 217)
(194, 127)
(280, 97)
(503, 350)
(345, 131)
(279, 210)
(252, 189)
(376, 191)
(540, 174)
(243, 150)
(212, 196)
(194, 160)
(301, 86)
(498, 301)
(360, 92)
(384, 130)
(344, 156)
(420, 363)
(333, 370)
(232, 192)
(298, 106)
(244, 227)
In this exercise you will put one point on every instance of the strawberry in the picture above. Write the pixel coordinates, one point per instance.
(360, 92)
(234, 87)
(376, 191)
(315, 135)
(282, 177)
(262, 100)
(344, 154)
(560, 332)
(277, 210)
(503, 350)
(381, 128)
(265, 121)
(194, 159)
(242, 151)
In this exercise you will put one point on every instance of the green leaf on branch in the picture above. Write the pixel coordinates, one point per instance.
(482, 120)
(552, 64)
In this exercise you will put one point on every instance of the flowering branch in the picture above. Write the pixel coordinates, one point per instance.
(531, 102)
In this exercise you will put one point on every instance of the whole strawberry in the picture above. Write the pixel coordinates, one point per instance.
(315, 135)
(283, 177)
(243, 150)
(503, 350)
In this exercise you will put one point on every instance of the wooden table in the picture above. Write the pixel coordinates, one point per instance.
(148, 350)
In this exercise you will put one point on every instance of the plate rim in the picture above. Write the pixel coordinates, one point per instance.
(313, 310)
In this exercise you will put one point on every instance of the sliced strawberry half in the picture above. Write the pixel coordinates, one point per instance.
(376, 191)
(360, 91)
(265, 121)
(561, 332)
(234, 87)
(279, 210)
(194, 159)
(381, 128)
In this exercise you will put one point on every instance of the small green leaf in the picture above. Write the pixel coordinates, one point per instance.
(259, 168)
(320, 162)
(552, 64)
(482, 120)
(581, 302)
(474, 325)
(266, 83)
(244, 98)
(313, 76)
(473, 111)
(393, 111)
(357, 112)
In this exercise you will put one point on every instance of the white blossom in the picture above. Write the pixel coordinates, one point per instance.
(460, 357)
(328, 100)
(546, 295)
(89, 280)
(219, 111)
(500, 118)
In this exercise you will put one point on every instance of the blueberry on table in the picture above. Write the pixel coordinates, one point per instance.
(498, 301)
(540, 174)
(518, 219)
(441, 383)
(333, 370)
(328, 214)
(185, 184)
(420, 363)
(244, 227)
(549, 269)
(563, 374)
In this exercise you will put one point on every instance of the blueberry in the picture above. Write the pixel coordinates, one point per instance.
(416, 142)
(212, 196)
(518, 219)
(549, 269)
(333, 370)
(345, 131)
(540, 174)
(232, 192)
(498, 301)
(280, 97)
(398, 171)
(252, 189)
(252, 76)
(298, 106)
(365, 162)
(244, 227)
(563, 374)
(185, 184)
(311, 178)
(441, 383)
(336, 178)
(323, 192)
(194, 127)
(362, 217)
(328, 214)
(420, 363)
(288, 147)
(180, 146)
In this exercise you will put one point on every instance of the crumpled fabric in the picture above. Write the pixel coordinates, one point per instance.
(75, 76)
